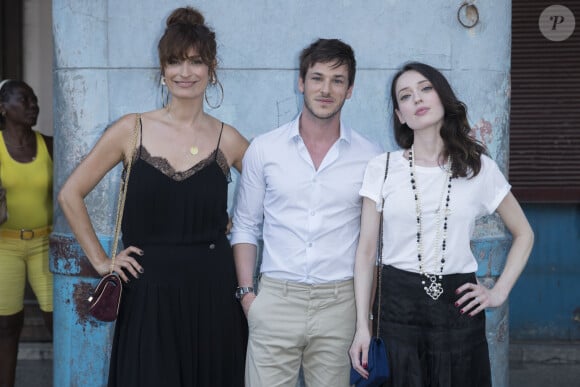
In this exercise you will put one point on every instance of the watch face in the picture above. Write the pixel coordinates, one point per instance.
(241, 291)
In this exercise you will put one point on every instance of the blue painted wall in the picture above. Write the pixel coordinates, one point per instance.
(545, 303)
(105, 65)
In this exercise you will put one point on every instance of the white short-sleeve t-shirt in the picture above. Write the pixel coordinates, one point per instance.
(470, 199)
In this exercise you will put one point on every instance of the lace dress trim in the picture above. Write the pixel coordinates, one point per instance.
(162, 165)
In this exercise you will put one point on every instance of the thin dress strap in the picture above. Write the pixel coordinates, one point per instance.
(140, 138)
(219, 139)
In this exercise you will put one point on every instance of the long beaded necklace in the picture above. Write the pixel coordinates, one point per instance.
(435, 288)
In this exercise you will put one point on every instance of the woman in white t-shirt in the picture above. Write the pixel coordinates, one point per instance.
(437, 185)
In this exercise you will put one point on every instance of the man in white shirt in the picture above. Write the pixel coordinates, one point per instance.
(299, 192)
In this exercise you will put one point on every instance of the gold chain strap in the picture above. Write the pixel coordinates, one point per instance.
(380, 252)
(123, 193)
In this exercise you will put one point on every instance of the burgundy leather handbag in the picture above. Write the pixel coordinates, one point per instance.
(106, 298)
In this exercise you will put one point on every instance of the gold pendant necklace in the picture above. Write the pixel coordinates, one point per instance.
(194, 150)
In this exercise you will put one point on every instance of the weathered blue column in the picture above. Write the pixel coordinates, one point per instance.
(491, 253)
(489, 112)
(81, 343)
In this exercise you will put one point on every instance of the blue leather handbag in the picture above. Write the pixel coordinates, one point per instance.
(378, 363)
(378, 366)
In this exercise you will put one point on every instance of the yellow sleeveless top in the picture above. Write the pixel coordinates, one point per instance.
(28, 188)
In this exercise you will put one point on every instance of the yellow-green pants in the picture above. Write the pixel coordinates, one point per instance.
(19, 260)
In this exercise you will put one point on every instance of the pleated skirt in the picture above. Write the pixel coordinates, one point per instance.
(429, 342)
(179, 324)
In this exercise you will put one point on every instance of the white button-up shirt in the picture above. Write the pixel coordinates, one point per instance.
(309, 219)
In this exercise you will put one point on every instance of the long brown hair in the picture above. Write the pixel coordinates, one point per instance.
(465, 151)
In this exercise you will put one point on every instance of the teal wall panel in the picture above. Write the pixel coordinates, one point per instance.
(545, 303)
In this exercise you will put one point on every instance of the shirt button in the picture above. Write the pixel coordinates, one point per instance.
(309, 244)
(212, 246)
(312, 213)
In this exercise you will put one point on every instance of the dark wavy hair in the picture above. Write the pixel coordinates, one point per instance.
(327, 51)
(185, 29)
(465, 151)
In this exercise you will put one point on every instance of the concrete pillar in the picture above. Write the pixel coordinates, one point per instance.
(491, 253)
(81, 343)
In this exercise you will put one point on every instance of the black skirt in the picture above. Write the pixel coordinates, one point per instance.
(429, 342)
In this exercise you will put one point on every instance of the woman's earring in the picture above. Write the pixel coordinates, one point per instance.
(164, 92)
(218, 89)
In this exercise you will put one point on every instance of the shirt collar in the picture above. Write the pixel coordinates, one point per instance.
(293, 132)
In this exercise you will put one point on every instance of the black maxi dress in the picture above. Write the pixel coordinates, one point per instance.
(179, 324)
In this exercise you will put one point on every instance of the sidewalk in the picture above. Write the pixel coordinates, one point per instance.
(532, 364)
(544, 364)
(34, 367)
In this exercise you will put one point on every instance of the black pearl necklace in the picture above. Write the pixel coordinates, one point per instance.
(435, 288)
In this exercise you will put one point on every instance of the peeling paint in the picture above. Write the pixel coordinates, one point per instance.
(81, 343)
(483, 131)
(67, 257)
(490, 254)
(503, 332)
(82, 291)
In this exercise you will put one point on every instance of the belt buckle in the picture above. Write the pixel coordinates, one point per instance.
(26, 234)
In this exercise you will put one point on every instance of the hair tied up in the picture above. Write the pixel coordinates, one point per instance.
(185, 15)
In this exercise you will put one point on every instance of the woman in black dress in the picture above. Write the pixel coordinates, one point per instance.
(179, 323)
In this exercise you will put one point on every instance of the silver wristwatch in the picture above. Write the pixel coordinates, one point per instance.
(242, 291)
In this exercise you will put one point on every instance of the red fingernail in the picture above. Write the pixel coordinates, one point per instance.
(365, 365)
(461, 311)
(456, 291)
(457, 304)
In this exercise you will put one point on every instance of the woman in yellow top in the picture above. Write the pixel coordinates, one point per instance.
(26, 174)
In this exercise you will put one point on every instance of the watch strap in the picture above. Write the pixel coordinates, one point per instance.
(241, 291)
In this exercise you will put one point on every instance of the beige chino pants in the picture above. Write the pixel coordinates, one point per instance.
(294, 324)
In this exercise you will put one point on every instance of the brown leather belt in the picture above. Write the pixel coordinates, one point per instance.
(25, 233)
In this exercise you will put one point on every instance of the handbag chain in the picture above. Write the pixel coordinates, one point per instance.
(380, 252)
(123, 192)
